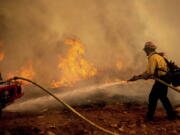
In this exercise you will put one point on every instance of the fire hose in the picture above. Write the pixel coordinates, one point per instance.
(159, 80)
(71, 108)
(170, 86)
(65, 104)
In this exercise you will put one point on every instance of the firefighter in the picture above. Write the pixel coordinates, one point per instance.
(159, 91)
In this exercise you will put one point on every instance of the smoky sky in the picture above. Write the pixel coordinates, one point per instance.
(33, 30)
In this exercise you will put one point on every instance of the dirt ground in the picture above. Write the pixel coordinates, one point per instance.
(125, 119)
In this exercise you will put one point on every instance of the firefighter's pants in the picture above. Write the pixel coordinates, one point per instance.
(159, 91)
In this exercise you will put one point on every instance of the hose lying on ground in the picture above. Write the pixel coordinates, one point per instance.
(72, 109)
(66, 105)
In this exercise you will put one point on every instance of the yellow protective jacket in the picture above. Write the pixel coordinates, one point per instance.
(155, 61)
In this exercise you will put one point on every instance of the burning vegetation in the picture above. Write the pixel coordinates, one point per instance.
(2, 54)
(25, 71)
(73, 66)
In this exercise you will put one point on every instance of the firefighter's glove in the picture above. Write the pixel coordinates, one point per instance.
(147, 76)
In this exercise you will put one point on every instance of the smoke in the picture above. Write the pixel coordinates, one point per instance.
(162, 25)
(33, 31)
(110, 31)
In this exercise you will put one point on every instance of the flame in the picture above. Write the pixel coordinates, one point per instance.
(25, 71)
(73, 66)
(2, 56)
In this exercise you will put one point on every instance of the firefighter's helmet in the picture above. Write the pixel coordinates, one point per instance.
(150, 45)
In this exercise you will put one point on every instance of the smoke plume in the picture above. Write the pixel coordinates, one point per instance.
(111, 31)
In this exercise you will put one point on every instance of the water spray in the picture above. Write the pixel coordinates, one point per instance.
(64, 103)
(71, 108)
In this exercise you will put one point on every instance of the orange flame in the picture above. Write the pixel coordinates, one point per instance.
(2, 56)
(73, 66)
(25, 71)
